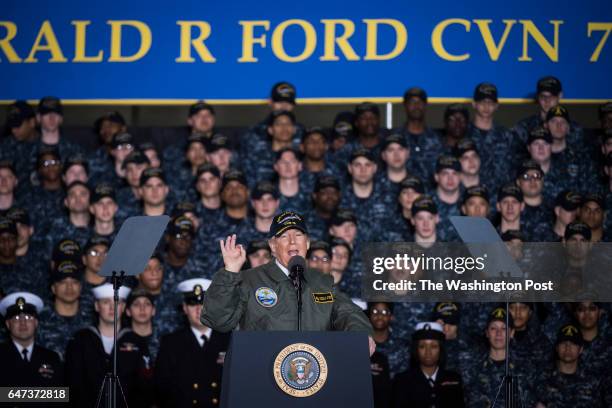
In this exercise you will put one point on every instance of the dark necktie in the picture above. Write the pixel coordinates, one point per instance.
(431, 382)
(203, 337)
(24, 352)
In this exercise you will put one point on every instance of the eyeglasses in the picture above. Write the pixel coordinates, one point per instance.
(384, 312)
(25, 317)
(182, 235)
(324, 259)
(125, 146)
(95, 253)
(49, 163)
(535, 176)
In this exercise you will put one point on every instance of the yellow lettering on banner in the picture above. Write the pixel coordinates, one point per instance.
(607, 27)
(116, 30)
(50, 44)
(249, 39)
(530, 30)
(310, 40)
(436, 39)
(401, 39)
(80, 28)
(494, 49)
(5, 43)
(331, 39)
(198, 43)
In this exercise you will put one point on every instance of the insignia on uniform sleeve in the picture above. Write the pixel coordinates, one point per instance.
(300, 370)
(266, 297)
(325, 297)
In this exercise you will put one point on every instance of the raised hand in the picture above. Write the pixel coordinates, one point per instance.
(234, 256)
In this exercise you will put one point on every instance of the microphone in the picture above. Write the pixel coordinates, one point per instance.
(297, 265)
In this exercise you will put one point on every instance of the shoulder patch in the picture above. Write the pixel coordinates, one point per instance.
(323, 297)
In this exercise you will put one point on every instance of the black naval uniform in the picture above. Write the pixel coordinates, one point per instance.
(187, 375)
(87, 363)
(411, 389)
(44, 369)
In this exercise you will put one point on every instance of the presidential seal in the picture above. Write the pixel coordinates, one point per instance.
(300, 370)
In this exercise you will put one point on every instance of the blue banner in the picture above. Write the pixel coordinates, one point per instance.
(333, 51)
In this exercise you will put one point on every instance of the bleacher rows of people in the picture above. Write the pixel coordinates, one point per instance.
(544, 179)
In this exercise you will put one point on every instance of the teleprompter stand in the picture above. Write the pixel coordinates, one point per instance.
(128, 256)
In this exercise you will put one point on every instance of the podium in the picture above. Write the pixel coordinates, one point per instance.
(297, 369)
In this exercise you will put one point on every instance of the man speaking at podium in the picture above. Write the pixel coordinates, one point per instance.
(264, 298)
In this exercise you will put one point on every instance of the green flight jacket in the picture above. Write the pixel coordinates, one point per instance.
(264, 298)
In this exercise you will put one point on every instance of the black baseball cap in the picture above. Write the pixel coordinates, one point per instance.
(412, 182)
(597, 198)
(96, 240)
(549, 84)
(208, 168)
(394, 138)
(150, 173)
(558, 111)
(285, 221)
(103, 190)
(136, 156)
(319, 245)
(112, 116)
(313, 131)
(256, 245)
(337, 241)
(197, 137)
(183, 207)
(484, 91)
(475, 191)
(343, 125)
(447, 161)
(529, 165)
(19, 215)
(499, 314)
(19, 112)
(233, 175)
(121, 139)
(366, 107)
(343, 215)
(283, 92)
(415, 92)
(50, 104)
(217, 142)
(180, 225)
(463, 146)
(568, 200)
(68, 268)
(577, 228)
(570, 332)
(449, 312)
(424, 203)
(76, 159)
(539, 132)
(138, 293)
(362, 152)
(199, 106)
(510, 190)
(66, 248)
(265, 187)
(326, 180)
(456, 108)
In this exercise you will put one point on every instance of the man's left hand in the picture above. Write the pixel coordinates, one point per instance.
(372, 345)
